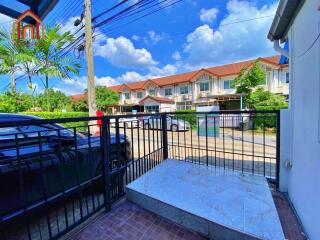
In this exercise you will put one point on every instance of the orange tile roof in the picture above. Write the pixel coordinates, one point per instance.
(219, 71)
(77, 97)
(157, 99)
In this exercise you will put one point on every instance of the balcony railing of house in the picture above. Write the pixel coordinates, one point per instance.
(55, 174)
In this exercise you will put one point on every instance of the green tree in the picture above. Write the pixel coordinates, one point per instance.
(53, 62)
(29, 65)
(80, 105)
(15, 102)
(265, 100)
(11, 56)
(106, 97)
(249, 78)
(52, 100)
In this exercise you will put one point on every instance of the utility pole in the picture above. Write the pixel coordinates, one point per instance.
(89, 56)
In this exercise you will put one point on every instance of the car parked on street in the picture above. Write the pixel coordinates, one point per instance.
(173, 124)
(40, 161)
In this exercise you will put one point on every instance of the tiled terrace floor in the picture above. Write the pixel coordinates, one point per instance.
(130, 222)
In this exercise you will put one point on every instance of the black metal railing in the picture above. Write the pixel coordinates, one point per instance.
(53, 177)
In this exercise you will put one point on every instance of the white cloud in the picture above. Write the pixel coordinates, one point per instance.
(206, 46)
(78, 84)
(153, 38)
(122, 53)
(135, 37)
(176, 56)
(208, 15)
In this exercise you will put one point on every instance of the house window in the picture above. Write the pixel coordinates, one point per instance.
(287, 77)
(227, 84)
(127, 95)
(168, 92)
(152, 92)
(184, 90)
(184, 105)
(154, 108)
(139, 95)
(204, 87)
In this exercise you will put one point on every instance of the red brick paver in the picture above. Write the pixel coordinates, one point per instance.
(127, 221)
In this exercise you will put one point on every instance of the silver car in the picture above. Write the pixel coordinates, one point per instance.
(173, 124)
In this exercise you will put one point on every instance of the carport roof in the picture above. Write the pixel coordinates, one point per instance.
(14, 8)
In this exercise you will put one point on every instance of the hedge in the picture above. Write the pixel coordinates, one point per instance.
(269, 120)
(82, 125)
(190, 116)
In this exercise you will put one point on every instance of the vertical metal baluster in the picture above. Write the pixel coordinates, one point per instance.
(79, 190)
(157, 142)
(149, 142)
(223, 142)
(132, 151)
(191, 132)
(153, 144)
(106, 161)
(62, 178)
(164, 136)
(92, 182)
(178, 133)
(264, 147)
(132, 154)
(43, 184)
(184, 137)
(125, 147)
(232, 142)
(118, 172)
(253, 143)
(242, 144)
(22, 189)
(215, 140)
(173, 144)
(138, 163)
(198, 129)
(144, 146)
(207, 157)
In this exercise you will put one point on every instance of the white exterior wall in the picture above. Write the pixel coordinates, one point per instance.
(304, 119)
(167, 107)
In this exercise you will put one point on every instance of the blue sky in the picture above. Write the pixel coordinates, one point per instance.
(189, 35)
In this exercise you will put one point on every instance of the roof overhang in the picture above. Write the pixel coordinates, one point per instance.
(285, 15)
(40, 7)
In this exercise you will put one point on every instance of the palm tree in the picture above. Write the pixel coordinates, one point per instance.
(11, 57)
(29, 65)
(49, 53)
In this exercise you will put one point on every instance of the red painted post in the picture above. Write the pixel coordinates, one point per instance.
(99, 113)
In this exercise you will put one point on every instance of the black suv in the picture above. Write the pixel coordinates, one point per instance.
(37, 162)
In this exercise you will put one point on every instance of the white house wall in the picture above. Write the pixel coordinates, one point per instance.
(303, 179)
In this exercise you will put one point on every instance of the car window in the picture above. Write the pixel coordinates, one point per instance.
(32, 131)
(8, 133)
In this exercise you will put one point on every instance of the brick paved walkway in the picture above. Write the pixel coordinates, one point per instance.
(130, 222)
(127, 221)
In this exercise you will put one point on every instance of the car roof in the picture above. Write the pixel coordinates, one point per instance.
(10, 117)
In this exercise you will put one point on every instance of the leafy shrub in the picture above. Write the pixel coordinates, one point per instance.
(81, 126)
(190, 116)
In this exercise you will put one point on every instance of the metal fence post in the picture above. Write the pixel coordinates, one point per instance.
(105, 147)
(278, 149)
(164, 136)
